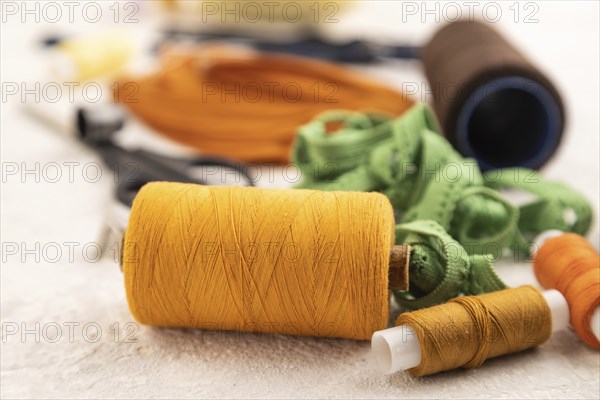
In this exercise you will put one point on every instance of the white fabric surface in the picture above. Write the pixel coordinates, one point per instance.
(165, 363)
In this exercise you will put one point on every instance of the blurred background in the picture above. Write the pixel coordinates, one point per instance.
(58, 197)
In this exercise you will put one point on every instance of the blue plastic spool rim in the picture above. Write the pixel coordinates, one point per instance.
(553, 119)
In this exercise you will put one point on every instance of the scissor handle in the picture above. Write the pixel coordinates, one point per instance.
(133, 169)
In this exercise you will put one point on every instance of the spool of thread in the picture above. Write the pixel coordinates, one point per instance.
(89, 57)
(468, 330)
(296, 262)
(494, 105)
(568, 263)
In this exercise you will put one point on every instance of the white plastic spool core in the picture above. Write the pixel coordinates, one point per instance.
(595, 323)
(398, 349)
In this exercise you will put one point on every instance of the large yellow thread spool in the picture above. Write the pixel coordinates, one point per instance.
(295, 262)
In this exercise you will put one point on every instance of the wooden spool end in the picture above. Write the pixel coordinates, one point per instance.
(398, 273)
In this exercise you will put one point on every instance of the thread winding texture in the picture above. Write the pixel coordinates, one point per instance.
(571, 265)
(244, 104)
(297, 262)
(468, 330)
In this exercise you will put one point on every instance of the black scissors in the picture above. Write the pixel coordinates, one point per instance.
(134, 168)
(96, 127)
(312, 46)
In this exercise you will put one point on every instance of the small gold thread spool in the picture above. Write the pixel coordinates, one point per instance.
(468, 330)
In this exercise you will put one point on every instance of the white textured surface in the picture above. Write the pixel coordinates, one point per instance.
(194, 364)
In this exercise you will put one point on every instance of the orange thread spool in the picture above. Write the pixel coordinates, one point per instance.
(570, 264)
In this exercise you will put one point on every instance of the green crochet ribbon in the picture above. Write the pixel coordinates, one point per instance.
(441, 269)
(426, 180)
